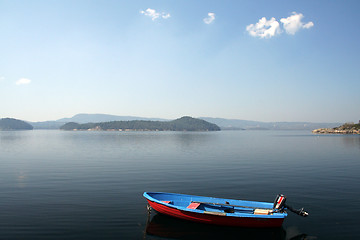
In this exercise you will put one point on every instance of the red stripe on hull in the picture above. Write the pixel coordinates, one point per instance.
(217, 220)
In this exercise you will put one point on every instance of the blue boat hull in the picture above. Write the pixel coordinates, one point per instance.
(218, 211)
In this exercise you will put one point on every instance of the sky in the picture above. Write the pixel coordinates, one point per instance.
(256, 60)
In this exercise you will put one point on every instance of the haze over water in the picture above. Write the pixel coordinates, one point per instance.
(89, 185)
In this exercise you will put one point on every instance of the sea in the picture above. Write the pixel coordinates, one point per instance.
(89, 184)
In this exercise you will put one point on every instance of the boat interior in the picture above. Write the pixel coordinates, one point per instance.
(220, 208)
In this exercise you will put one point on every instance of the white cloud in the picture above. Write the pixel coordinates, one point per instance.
(210, 18)
(154, 15)
(270, 28)
(2, 78)
(264, 28)
(23, 81)
(293, 23)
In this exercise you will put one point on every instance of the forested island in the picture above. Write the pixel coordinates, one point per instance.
(181, 124)
(14, 124)
(347, 128)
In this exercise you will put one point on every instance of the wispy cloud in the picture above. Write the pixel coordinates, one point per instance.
(153, 14)
(293, 23)
(270, 28)
(2, 78)
(210, 18)
(23, 81)
(264, 28)
(165, 15)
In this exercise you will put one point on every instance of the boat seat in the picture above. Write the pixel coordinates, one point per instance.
(262, 211)
(193, 205)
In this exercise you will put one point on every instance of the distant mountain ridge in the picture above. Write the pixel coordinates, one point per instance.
(86, 118)
(256, 125)
(223, 123)
(89, 118)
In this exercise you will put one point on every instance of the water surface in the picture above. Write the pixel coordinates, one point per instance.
(89, 185)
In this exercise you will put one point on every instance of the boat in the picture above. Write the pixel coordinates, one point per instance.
(219, 211)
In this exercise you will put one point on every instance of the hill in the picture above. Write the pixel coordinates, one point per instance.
(14, 124)
(181, 124)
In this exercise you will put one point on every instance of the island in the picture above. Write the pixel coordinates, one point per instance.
(182, 124)
(347, 128)
(14, 124)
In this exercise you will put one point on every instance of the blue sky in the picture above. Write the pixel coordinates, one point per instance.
(252, 60)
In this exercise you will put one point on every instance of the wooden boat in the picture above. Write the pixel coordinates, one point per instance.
(219, 211)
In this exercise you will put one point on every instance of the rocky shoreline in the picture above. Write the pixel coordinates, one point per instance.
(347, 128)
(335, 131)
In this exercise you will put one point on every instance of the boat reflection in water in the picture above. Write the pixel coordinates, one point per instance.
(172, 228)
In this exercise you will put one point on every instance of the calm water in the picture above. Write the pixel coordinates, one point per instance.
(89, 185)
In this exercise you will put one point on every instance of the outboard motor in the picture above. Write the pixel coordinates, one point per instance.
(279, 203)
(279, 206)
